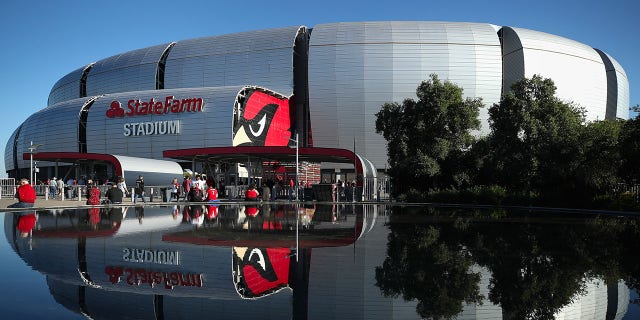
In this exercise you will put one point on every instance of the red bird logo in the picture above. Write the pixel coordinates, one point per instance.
(262, 119)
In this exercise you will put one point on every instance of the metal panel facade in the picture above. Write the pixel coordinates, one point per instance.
(262, 58)
(130, 71)
(622, 88)
(67, 88)
(55, 127)
(354, 68)
(576, 69)
(210, 127)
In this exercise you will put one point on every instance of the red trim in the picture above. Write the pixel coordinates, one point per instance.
(272, 243)
(75, 156)
(269, 152)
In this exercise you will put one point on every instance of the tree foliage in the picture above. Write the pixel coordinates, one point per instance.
(539, 148)
(425, 138)
(629, 141)
(534, 137)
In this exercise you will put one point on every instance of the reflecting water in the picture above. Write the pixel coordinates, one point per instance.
(284, 261)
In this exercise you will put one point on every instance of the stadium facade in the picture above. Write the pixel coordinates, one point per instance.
(208, 102)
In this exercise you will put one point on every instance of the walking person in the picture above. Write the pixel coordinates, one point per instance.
(139, 191)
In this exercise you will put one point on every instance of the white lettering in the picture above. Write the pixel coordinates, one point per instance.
(151, 128)
(151, 256)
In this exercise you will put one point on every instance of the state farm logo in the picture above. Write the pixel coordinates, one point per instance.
(137, 107)
(115, 110)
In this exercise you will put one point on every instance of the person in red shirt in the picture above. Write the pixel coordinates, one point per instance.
(25, 194)
(212, 193)
(251, 194)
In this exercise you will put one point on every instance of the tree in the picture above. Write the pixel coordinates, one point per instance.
(597, 170)
(630, 149)
(535, 138)
(426, 138)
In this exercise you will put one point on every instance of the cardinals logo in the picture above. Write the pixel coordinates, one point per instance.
(258, 272)
(261, 119)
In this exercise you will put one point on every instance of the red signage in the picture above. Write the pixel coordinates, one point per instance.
(138, 276)
(138, 107)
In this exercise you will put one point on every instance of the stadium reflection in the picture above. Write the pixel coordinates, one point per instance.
(329, 261)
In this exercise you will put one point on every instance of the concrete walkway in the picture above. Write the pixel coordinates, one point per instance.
(43, 203)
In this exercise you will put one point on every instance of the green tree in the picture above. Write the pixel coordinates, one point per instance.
(597, 170)
(535, 138)
(630, 149)
(427, 138)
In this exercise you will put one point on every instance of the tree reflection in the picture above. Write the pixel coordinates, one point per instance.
(539, 263)
(424, 263)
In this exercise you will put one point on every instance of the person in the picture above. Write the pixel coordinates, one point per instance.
(186, 185)
(114, 194)
(195, 195)
(251, 194)
(25, 194)
(139, 191)
(212, 193)
(93, 193)
(69, 188)
(290, 191)
(277, 188)
(122, 185)
(266, 192)
(53, 188)
(175, 188)
(60, 186)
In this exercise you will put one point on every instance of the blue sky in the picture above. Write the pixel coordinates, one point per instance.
(44, 40)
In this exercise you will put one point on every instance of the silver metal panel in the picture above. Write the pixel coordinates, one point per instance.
(622, 89)
(576, 69)
(67, 88)
(262, 58)
(55, 127)
(130, 71)
(8, 151)
(210, 128)
(354, 68)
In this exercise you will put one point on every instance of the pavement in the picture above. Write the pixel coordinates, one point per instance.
(43, 203)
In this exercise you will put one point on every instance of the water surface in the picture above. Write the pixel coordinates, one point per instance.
(286, 261)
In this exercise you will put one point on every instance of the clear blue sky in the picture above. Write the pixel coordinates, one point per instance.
(44, 40)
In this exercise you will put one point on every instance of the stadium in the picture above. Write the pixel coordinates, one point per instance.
(287, 103)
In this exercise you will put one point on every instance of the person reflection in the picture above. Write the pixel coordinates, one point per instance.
(212, 211)
(26, 223)
(197, 215)
(116, 214)
(140, 213)
(93, 217)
